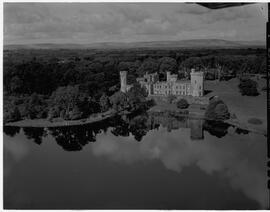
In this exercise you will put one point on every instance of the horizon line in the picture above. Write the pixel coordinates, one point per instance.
(128, 42)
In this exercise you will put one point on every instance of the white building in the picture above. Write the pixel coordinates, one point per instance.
(172, 86)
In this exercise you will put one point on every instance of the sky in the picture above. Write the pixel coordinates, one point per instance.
(82, 23)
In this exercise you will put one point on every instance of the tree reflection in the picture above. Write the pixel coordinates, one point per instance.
(35, 133)
(11, 131)
(241, 131)
(73, 138)
(218, 129)
(138, 126)
(120, 127)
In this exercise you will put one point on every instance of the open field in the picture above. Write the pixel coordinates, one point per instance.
(244, 107)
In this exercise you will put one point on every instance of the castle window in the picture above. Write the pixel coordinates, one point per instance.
(195, 81)
(200, 87)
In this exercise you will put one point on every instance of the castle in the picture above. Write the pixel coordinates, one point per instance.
(172, 86)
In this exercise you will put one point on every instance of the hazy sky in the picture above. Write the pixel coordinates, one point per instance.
(123, 22)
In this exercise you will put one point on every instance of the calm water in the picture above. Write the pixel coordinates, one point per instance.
(147, 161)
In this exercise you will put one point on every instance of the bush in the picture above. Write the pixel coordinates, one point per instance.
(171, 98)
(104, 102)
(53, 113)
(248, 87)
(217, 110)
(12, 115)
(182, 104)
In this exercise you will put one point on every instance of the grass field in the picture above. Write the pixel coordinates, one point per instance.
(244, 107)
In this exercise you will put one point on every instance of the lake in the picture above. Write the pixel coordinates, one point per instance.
(144, 161)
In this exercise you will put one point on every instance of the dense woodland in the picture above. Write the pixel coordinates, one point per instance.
(73, 84)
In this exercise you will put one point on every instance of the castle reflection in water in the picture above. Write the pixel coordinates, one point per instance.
(172, 122)
(74, 138)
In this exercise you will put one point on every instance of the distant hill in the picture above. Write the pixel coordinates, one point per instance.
(196, 43)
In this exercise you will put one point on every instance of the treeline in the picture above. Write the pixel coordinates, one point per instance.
(72, 103)
(33, 81)
(98, 75)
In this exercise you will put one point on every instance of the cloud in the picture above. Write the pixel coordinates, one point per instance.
(14, 152)
(241, 164)
(134, 13)
(94, 22)
(25, 13)
(230, 14)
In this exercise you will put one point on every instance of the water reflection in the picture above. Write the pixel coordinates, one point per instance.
(11, 131)
(164, 137)
(76, 137)
(242, 165)
(218, 129)
(35, 134)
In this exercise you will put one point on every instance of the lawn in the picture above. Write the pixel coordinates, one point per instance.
(245, 107)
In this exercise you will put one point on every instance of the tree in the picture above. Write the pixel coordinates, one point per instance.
(71, 102)
(182, 104)
(13, 114)
(171, 98)
(248, 87)
(149, 65)
(167, 64)
(131, 68)
(16, 115)
(16, 84)
(35, 107)
(119, 101)
(104, 103)
(76, 113)
(222, 112)
(53, 113)
(217, 110)
(192, 62)
(136, 96)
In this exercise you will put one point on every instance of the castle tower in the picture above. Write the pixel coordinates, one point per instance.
(123, 81)
(168, 76)
(197, 83)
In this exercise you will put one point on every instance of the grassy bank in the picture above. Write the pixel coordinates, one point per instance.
(62, 123)
(244, 107)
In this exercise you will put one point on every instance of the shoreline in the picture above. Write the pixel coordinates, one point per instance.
(40, 123)
(63, 123)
